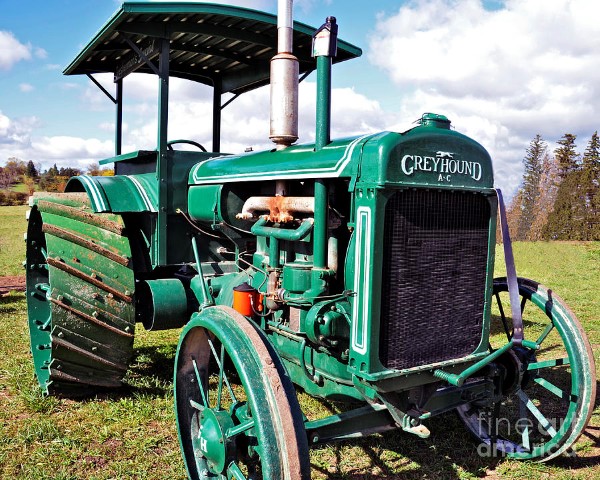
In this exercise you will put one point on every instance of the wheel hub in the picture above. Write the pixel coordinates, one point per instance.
(211, 441)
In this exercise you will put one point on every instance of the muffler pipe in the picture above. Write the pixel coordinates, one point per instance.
(284, 81)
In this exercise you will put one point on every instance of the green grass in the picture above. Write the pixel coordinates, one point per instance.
(20, 187)
(12, 245)
(131, 434)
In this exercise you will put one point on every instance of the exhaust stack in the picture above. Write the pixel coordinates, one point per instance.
(284, 81)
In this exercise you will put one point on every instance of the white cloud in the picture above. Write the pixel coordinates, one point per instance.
(11, 50)
(40, 53)
(503, 75)
(74, 149)
(18, 139)
(26, 87)
(245, 122)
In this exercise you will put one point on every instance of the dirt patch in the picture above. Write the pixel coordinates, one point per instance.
(8, 284)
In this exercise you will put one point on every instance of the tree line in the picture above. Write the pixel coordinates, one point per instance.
(30, 178)
(559, 196)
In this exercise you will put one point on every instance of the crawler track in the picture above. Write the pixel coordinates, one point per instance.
(80, 286)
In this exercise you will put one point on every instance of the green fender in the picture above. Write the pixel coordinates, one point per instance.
(118, 194)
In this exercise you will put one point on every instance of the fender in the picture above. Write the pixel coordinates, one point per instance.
(118, 194)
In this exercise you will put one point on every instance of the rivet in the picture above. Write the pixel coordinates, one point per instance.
(95, 314)
(60, 334)
(60, 298)
(94, 349)
(127, 329)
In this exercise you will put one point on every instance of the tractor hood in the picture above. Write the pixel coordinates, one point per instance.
(430, 155)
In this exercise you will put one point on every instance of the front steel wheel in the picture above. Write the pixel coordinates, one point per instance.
(237, 412)
(548, 394)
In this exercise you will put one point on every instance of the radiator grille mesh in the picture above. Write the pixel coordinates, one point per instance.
(435, 258)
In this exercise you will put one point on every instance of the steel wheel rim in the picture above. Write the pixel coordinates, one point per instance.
(268, 429)
(579, 395)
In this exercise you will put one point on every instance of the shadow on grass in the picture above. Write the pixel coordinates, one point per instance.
(150, 374)
(449, 453)
(10, 302)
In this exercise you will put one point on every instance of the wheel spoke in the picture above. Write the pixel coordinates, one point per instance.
(234, 472)
(545, 333)
(503, 317)
(526, 444)
(551, 387)
(241, 428)
(222, 370)
(548, 363)
(196, 405)
(200, 383)
(544, 422)
(220, 384)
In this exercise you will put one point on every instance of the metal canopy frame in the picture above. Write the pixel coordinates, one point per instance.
(228, 48)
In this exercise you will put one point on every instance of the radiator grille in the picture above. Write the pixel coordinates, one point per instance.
(435, 257)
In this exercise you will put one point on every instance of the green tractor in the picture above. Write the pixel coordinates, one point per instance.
(356, 269)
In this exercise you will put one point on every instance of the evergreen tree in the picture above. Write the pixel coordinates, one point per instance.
(531, 185)
(567, 219)
(566, 156)
(31, 170)
(53, 171)
(590, 186)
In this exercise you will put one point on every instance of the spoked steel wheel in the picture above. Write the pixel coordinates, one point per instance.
(548, 394)
(237, 413)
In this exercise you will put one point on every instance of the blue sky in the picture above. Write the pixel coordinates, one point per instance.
(501, 70)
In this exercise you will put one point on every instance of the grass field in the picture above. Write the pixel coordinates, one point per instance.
(131, 434)
(12, 246)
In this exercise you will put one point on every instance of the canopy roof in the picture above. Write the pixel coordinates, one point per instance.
(218, 45)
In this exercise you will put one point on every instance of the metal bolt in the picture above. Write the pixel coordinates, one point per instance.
(127, 293)
(93, 275)
(60, 334)
(110, 295)
(94, 349)
(60, 298)
(95, 314)
(127, 329)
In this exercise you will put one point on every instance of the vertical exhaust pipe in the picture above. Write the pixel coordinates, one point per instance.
(284, 81)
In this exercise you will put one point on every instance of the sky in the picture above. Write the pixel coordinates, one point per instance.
(501, 70)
